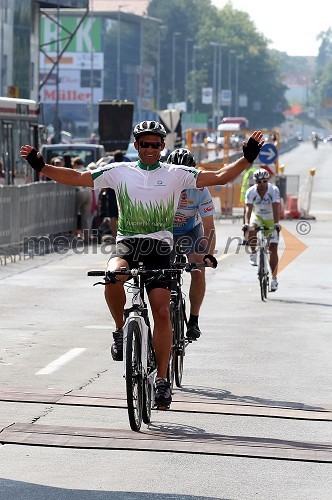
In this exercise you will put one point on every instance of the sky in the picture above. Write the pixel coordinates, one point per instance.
(291, 25)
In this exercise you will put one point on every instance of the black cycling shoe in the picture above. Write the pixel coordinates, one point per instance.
(163, 394)
(193, 332)
(117, 346)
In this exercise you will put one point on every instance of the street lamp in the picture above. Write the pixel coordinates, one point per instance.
(186, 70)
(219, 86)
(173, 65)
(118, 55)
(195, 48)
(161, 30)
(236, 105)
(214, 84)
(230, 79)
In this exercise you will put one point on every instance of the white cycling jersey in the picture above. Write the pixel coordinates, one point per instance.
(147, 197)
(263, 206)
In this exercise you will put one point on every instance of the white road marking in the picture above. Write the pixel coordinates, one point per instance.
(57, 363)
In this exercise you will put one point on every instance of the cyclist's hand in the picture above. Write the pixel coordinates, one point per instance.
(252, 148)
(245, 228)
(277, 227)
(33, 157)
(210, 261)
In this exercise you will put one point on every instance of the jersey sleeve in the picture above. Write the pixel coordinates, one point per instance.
(186, 176)
(276, 195)
(248, 196)
(104, 177)
(206, 205)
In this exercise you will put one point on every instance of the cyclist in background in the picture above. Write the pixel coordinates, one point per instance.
(263, 209)
(194, 233)
(147, 193)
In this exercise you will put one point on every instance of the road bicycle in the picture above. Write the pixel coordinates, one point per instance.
(263, 262)
(139, 358)
(179, 321)
(140, 366)
(178, 316)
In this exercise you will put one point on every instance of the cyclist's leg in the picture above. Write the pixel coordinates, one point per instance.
(274, 259)
(252, 241)
(197, 285)
(162, 333)
(115, 294)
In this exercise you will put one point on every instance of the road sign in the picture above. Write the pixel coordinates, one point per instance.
(268, 153)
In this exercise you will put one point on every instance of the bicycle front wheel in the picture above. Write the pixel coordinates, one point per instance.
(134, 381)
(262, 275)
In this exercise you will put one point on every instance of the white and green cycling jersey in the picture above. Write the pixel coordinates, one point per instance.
(147, 197)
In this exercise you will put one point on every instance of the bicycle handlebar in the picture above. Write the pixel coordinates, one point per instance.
(178, 268)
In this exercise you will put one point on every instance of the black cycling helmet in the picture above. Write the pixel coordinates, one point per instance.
(182, 156)
(149, 127)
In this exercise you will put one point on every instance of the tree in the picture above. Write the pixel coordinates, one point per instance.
(202, 24)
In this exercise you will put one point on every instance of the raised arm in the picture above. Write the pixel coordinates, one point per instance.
(63, 175)
(232, 170)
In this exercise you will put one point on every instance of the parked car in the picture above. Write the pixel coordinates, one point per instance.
(88, 152)
(132, 153)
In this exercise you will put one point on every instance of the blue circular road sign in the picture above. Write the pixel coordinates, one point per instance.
(268, 153)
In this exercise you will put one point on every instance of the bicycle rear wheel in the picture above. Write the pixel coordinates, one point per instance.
(134, 382)
(171, 367)
(180, 345)
(147, 389)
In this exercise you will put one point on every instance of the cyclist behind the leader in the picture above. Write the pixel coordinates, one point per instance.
(262, 208)
(147, 194)
(194, 231)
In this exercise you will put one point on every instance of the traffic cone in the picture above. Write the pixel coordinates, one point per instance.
(291, 209)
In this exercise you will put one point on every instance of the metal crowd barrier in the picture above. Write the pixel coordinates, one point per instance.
(37, 209)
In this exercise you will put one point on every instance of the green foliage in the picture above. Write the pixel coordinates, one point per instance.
(200, 23)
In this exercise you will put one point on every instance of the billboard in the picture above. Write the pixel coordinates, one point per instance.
(80, 74)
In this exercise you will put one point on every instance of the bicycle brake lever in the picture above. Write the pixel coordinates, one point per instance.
(99, 283)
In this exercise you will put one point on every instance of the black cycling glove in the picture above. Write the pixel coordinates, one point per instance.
(36, 162)
(251, 150)
(212, 259)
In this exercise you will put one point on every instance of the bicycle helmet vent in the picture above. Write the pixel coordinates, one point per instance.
(182, 156)
(260, 174)
(149, 127)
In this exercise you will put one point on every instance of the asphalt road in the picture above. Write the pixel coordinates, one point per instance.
(266, 368)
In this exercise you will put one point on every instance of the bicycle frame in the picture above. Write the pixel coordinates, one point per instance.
(264, 269)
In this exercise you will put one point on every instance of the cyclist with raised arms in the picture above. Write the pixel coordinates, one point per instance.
(194, 233)
(147, 194)
(262, 204)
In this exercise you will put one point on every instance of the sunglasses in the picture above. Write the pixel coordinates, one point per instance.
(260, 182)
(154, 145)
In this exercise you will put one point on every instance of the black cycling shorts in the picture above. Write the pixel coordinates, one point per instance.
(153, 254)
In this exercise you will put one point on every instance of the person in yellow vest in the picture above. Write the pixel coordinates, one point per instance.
(247, 181)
